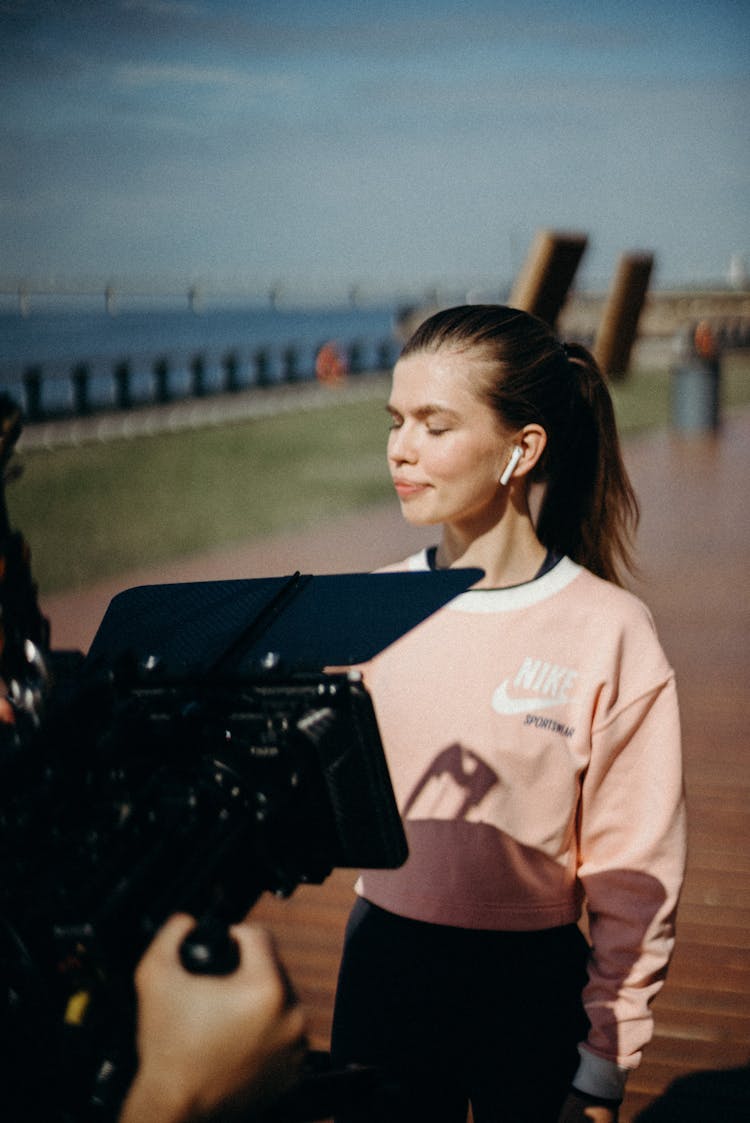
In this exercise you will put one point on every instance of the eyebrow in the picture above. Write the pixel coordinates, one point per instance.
(426, 411)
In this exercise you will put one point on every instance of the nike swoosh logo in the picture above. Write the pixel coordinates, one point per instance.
(502, 702)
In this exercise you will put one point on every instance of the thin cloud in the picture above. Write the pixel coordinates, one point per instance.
(171, 8)
(158, 74)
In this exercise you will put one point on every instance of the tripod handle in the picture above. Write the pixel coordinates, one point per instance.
(209, 949)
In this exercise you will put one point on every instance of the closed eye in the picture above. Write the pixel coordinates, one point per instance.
(426, 415)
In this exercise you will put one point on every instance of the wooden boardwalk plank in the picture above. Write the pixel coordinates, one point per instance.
(695, 546)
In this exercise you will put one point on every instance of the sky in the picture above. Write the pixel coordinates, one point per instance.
(333, 146)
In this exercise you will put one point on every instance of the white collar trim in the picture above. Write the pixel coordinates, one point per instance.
(514, 598)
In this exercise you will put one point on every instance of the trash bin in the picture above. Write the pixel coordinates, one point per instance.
(695, 380)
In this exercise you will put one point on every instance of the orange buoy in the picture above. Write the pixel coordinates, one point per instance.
(330, 364)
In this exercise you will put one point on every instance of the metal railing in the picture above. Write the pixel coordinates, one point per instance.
(81, 387)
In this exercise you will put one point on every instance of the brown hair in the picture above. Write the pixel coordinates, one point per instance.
(589, 510)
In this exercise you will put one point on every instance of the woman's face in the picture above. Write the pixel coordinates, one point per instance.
(447, 448)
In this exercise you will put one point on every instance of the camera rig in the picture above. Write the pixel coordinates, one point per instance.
(203, 752)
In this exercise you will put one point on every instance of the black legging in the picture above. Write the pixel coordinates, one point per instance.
(455, 1015)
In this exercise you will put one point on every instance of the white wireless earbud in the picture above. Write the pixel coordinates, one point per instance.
(510, 467)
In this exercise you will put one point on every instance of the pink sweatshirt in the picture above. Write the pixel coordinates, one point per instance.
(533, 740)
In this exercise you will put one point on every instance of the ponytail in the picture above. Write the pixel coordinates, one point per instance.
(589, 510)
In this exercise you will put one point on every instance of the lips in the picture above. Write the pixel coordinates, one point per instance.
(407, 489)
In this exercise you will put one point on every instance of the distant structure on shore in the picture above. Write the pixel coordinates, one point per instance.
(737, 275)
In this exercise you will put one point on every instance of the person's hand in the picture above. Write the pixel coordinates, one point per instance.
(206, 1041)
(580, 1109)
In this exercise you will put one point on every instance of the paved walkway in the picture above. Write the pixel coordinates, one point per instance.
(694, 546)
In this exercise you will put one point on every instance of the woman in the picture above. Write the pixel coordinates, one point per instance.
(532, 733)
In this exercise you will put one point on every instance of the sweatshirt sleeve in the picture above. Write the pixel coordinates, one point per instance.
(631, 865)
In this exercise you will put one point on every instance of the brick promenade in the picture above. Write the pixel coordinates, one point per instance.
(694, 548)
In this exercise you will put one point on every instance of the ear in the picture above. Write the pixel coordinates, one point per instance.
(532, 440)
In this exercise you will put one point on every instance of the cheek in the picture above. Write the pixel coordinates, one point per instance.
(446, 461)
(477, 466)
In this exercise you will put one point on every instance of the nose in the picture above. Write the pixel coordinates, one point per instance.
(401, 445)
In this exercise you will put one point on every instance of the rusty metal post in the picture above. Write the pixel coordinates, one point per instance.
(542, 285)
(618, 327)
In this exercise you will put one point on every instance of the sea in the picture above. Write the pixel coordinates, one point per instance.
(44, 351)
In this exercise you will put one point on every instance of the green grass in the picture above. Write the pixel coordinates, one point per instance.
(101, 509)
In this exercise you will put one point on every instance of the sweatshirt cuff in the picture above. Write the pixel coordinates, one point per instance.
(596, 1076)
